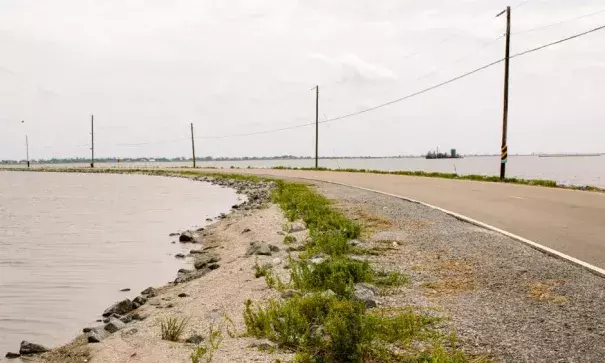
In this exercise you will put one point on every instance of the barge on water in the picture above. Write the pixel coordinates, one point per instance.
(437, 155)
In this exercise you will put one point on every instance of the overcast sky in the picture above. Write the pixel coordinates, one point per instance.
(146, 69)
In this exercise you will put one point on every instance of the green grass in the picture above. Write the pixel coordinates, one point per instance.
(172, 327)
(334, 327)
(483, 178)
(338, 274)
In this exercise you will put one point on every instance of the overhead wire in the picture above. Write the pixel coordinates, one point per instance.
(558, 23)
(425, 90)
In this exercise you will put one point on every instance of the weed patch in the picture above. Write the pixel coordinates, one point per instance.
(172, 327)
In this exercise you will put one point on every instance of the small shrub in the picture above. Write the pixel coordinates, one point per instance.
(336, 274)
(173, 327)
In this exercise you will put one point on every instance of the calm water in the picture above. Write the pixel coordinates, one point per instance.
(70, 242)
(564, 170)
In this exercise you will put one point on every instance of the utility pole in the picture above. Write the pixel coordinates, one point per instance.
(92, 141)
(316, 127)
(504, 146)
(27, 150)
(193, 145)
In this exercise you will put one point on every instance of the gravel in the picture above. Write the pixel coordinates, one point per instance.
(504, 298)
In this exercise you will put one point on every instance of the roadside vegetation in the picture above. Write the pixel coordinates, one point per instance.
(324, 320)
(482, 178)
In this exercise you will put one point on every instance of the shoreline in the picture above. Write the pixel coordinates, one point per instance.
(477, 295)
(255, 195)
(546, 183)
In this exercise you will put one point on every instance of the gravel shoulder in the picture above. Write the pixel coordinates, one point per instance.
(503, 298)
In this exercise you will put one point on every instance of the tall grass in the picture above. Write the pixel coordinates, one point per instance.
(172, 327)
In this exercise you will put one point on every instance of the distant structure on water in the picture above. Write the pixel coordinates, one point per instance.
(435, 154)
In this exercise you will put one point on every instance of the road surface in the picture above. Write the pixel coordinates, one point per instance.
(568, 221)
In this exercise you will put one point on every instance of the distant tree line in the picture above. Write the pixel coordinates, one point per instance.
(186, 159)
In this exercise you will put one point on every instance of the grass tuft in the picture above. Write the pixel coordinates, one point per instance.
(172, 327)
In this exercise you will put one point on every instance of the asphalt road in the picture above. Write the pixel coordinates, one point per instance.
(571, 222)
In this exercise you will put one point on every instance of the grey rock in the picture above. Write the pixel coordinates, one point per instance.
(86, 330)
(246, 230)
(179, 255)
(182, 294)
(114, 325)
(125, 290)
(140, 300)
(126, 319)
(185, 271)
(96, 335)
(366, 293)
(140, 317)
(173, 234)
(281, 233)
(11, 355)
(297, 227)
(296, 248)
(195, 339)
(264, 250)
(28, 348)
(120, 308)
(135, 305)
(186, 237)
(192, 276)
(200, 229)
(214, 266)
(149, 292)
(208, 219)
(206, 259)
(196, 252)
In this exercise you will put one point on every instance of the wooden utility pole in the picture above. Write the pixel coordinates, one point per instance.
(316, 127)
(27, 150)
(92, 141)
(504, 146)
(193, 145)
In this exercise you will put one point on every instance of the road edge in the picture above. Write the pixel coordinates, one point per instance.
(547, 250)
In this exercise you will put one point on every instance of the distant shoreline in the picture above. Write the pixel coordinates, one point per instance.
(260, 158)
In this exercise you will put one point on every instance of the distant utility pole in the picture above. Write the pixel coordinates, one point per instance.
(504, 146)
(92, 141)
(316, 127)
(27, 150)
(193, 145)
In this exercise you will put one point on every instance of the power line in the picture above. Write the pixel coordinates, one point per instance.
(483, 46)
(558, 41)
(260, 132)
(559, 22)
(425, 90)
(463, 75)
(520, 4)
